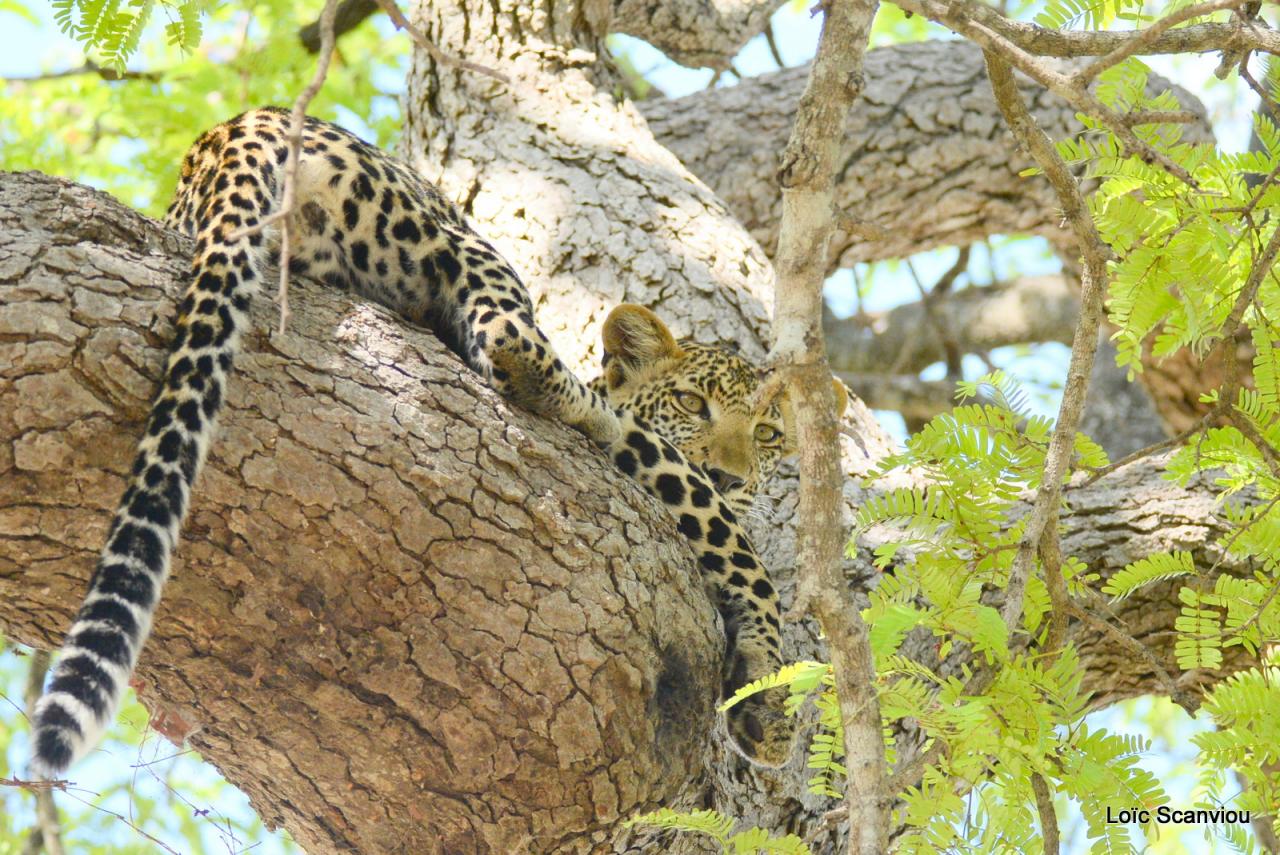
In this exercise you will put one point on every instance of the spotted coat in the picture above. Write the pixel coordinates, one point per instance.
(365, 222)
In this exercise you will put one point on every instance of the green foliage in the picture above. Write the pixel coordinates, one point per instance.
(1102, 14)
(805, 680)
(720, 828)
(1247, 738)
(1184, 255)
(1154, 568)
(127, 137)
(112, 33)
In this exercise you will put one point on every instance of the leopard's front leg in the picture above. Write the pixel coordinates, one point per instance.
(735, 577)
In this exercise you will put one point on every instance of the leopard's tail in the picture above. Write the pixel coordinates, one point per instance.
(103, 643)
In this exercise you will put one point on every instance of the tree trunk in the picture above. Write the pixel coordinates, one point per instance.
(400, 620)
(404, 617)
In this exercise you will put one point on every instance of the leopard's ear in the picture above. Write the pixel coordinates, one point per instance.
(635, 337)
(789, 420)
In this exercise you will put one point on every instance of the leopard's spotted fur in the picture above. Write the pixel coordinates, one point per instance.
(365, 222)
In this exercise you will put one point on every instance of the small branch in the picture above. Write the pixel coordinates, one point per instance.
(1044, 510)
(807, 177)
(1265, 101)
(1140, 41)
(1059, 598)
(89, 67)
(421, 40)
(1248, 293)
(296, 120)
(1160, 117)
(1068, 44)
(1188, 702)
(1048, 819)
(46, 834)
(1154, 448)
(773, 45)
(928, 299)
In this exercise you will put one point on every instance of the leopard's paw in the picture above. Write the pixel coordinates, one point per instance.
(759, 727)
(760, 730)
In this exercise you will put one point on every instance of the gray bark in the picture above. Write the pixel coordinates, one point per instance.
(694, 32)
(880, 355)
(904, 339)
(571, 185)
(399, 619)
(927, 156)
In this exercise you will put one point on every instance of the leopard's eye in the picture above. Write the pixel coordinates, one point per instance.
(767, 434)
(692, 402)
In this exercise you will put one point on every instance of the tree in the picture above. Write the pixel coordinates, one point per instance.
(399, 711)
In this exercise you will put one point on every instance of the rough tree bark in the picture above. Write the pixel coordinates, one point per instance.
(399, 621)
(927, 156)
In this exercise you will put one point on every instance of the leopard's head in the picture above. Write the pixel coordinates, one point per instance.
(701, 398)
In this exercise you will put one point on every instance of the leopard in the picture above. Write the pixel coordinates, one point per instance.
(677, 417)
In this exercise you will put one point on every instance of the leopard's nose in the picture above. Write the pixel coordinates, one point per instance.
(724, 481)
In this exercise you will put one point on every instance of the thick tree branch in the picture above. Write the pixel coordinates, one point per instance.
(397, 621)
(925, 156)
(350, 14)
(1042, 521)
(694, 32)
(1028, 309)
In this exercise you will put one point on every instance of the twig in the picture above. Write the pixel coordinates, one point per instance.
(402, 23)
(1068, 44)
(929, 299)
(1264, 97)
(89, 67)
(137, 830)
(46, 833)
(773, 44)
(1048, 819)
(1147, 37)
(1159, 117)
(807, 177)
(1059, 598)
(1044, 510)
(297, 118)
(296, 121)
(1183, 699)
(1155, 448)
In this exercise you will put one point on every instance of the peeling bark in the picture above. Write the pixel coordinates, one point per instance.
(398, 619)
